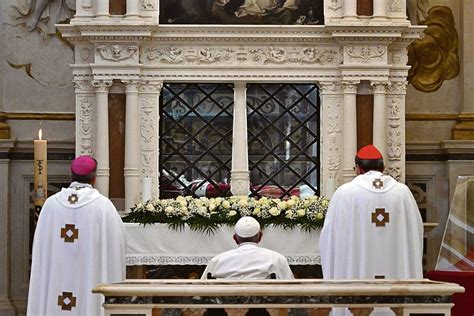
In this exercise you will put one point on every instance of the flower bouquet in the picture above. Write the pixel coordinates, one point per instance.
(207, 214)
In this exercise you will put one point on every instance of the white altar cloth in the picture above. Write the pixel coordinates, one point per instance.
(160, 245)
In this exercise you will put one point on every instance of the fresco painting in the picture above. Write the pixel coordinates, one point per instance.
(275, 12)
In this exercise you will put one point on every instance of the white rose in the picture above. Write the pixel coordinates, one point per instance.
(226, 204)
(232, 213)
(139, 205)
(150, 208)
(169, 209)
(319, 215)
(212, 206)
(324, 203)
(274, 211)
(300, 212)
(183, 203)
(289, 214)
(184, 209)
(291, 203)
(257, 211)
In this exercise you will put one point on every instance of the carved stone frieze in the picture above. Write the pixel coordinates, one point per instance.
(86, 126)
(117, 52)
(226, 55)
(365, 54)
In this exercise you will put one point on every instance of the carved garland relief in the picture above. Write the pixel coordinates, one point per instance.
(117, 52)
(365, 54)
(261, 56)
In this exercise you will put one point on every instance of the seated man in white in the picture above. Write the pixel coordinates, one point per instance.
(248, 261)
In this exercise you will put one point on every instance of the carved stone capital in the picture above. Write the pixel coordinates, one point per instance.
(379, 87)
(131, 86)
(350, 86)
(150, 86)
(83, 86)
(102, 85)
(330, 87)
(398, 87)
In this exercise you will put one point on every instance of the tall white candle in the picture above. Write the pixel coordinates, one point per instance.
(40, 170)
(146, 189)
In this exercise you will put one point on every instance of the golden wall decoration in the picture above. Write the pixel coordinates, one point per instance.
(435, 57)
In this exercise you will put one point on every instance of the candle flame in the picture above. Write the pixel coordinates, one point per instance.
(40, 133)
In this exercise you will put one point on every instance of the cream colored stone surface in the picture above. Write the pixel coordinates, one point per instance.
(428, 131)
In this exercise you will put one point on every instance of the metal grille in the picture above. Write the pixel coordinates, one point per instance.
(195, 139)
(283, 130)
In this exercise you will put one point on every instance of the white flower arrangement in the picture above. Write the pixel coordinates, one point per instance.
(208, 213)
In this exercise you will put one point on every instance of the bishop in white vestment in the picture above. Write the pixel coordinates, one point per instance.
(373, 228)
(248, 261)
(79, 242)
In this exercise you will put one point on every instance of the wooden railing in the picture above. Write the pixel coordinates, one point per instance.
(237, 297)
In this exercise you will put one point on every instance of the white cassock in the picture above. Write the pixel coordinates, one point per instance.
(248, 261)
(373, 228)
(79, 242)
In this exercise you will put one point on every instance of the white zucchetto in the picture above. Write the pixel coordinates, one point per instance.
(247, 227)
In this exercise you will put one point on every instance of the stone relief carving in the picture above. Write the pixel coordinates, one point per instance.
(148, 5)
(394, 109)
(333, 141)
(271, 55)
(396, 6)
(117, 52)
(42, 14)
(148, 137)
(102, 85)
(398, 56)
(86, 126)
(365, 54)
(350, 86)
(395, 171)
(335, 5)
(85, 53)
(394, 141)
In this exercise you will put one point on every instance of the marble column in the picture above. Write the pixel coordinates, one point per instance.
(6, 307)
(380, 9)
(349, 129)
(379, 136)
(131, 169)
(102, 7)
(132, 9)
(331, 136)
(102, 142)
(240, 175)
(350, 9)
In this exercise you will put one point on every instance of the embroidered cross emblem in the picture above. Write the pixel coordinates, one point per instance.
(377, 183)
(69, 233)
(67, 301)
(380, 217)
(73, 198)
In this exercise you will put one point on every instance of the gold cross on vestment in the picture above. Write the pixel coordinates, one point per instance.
(67, 301)
(69, 233)
(377, 183)
(73, 198)
(380, 217)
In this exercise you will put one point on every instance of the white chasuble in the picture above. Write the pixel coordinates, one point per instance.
(373, 230)
(248, 261)
(79, 242)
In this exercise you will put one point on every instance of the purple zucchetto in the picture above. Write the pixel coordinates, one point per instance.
(83, 165)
